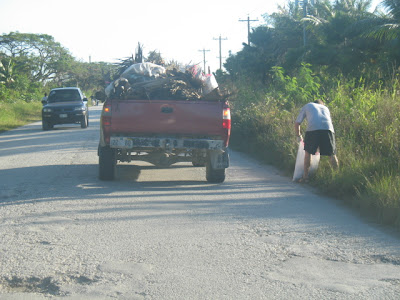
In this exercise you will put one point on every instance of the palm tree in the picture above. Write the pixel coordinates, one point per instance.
(353, 7)
(332, 42)
(6, 72)
(324, 11)
(385, 26)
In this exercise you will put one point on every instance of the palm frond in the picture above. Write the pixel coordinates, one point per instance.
(393, 8)
(389, 31)
(314, 20)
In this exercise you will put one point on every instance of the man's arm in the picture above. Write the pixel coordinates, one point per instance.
(297, 128)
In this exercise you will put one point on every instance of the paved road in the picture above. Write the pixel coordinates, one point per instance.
(168, 234)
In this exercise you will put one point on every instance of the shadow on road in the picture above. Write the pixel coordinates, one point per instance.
(64, 186)
(80, 183)
(31, 138)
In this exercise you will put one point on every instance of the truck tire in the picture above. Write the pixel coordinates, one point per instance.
(46, 125)
(214, 175)
(107, 163)
(84, 121)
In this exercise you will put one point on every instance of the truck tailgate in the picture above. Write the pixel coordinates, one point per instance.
(167, 117)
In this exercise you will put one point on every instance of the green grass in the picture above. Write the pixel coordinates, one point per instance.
(367, 126)
(16, 114)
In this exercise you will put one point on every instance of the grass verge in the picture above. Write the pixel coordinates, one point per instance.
(16, 114)
(367, 136)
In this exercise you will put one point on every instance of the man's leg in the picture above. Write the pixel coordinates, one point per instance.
(334, 161)
(307, 163)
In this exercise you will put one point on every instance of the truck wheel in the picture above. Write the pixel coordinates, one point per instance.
(107, 163)
(84, 122)
(214, 175)
(46, 125)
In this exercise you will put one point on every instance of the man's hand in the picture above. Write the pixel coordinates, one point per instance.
(299, 138)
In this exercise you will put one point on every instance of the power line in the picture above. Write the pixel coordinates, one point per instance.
(220, 51)
(204, 58)
(248, 28)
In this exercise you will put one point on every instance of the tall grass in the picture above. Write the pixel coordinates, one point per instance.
(18, 113)
(366, 122)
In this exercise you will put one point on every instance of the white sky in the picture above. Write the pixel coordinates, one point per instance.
(111, 30)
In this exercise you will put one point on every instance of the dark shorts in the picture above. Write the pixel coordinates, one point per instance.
(322, 139)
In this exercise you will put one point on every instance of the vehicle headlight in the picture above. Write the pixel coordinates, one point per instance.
(80, 108)
(46, 110)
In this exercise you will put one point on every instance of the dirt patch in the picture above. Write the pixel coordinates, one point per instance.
(46, 286)
(30, 285)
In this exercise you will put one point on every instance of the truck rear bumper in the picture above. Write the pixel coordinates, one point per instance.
(164, 143)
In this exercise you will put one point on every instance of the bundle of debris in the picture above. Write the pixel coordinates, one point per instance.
(153, 82)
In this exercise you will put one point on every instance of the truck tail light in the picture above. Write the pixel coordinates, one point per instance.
(106, 115)
(226, 123)
(106, 122)
(226, 118)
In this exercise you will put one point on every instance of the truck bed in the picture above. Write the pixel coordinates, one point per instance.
(167, 117)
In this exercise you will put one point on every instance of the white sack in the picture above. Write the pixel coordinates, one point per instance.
(197, 74)
(299, 167)
(145, 69)
(210, 84)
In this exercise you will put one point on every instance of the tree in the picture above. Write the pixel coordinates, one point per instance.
(335, 43)
(256, 60)
(6, 72)
(384, 26)
(36, 54)
(90, 76)
(269, 44)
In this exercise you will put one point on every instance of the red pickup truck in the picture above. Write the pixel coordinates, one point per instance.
(164, 132)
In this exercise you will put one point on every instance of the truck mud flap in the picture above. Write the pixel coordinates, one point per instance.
(219, 159)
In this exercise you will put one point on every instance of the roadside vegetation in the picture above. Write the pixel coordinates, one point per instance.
(16, 114)
(368, 141)
(33, 64)
(338, 51)
(346, 56)
(30, 66)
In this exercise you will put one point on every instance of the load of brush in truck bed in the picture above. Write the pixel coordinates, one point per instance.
(153, 82)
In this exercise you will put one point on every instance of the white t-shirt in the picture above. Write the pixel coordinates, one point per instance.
(317, 115)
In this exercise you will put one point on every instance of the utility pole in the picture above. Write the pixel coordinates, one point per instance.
(248, 28)
(220, 51)
(305, 2)
(204, 58)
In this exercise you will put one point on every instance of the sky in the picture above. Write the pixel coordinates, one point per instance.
(98, 30)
